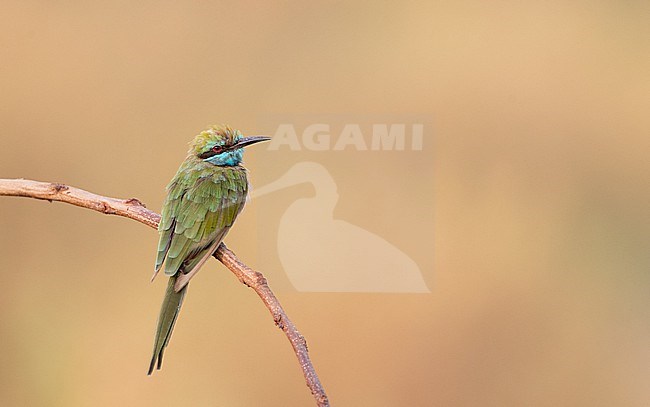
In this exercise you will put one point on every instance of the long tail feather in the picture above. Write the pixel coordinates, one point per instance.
(171, 306)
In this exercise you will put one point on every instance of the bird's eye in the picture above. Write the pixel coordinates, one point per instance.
(217, 149)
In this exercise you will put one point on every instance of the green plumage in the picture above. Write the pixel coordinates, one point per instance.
(202, 203)
(203, 200)
(168, 314)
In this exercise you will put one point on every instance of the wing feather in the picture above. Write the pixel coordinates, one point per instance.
(201, 206)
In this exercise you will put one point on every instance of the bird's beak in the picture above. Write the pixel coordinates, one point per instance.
(247, 141)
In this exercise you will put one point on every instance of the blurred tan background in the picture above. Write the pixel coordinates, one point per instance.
(537, 176)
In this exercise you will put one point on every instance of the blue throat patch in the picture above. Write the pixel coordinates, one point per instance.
(227, 158)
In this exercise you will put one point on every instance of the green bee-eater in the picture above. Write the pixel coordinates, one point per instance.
(203, 200)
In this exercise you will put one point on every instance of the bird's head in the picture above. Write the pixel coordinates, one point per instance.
(222, 145)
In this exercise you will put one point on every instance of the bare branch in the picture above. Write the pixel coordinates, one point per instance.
(134, 209)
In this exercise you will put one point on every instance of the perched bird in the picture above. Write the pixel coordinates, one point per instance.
(203, 200)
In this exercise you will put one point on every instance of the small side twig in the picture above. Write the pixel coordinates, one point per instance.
(134, 209)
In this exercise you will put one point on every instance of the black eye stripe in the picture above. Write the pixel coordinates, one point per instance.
(212, 152)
